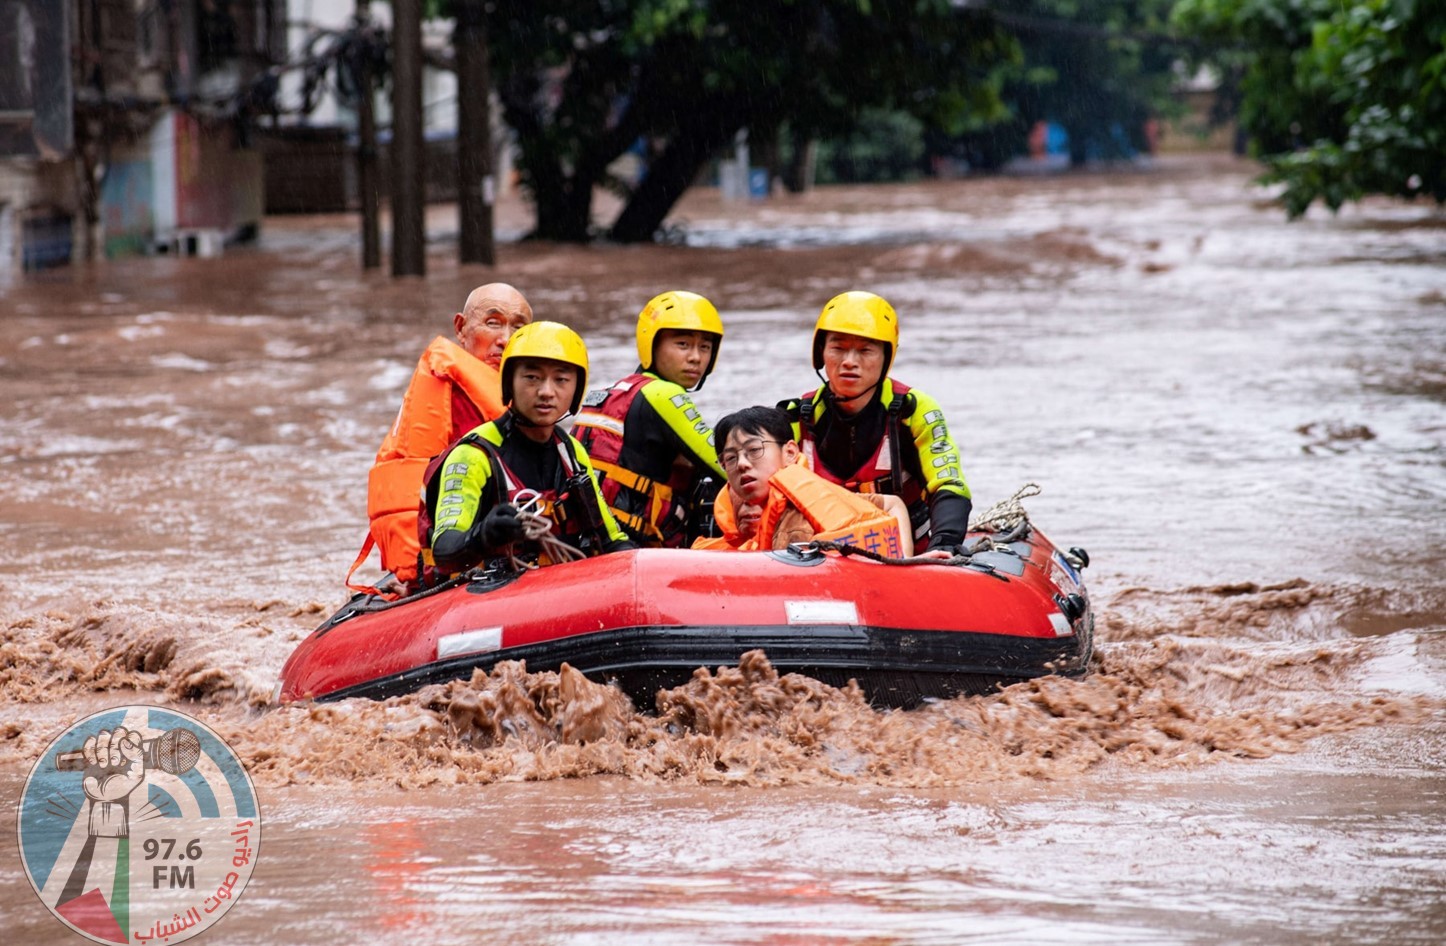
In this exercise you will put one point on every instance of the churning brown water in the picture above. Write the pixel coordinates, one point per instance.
(1242, 420)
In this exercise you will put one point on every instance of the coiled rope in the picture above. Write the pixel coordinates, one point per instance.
(1005, 516)
(538, 528)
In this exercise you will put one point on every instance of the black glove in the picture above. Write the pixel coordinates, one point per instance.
(502, 526)
(949, 519)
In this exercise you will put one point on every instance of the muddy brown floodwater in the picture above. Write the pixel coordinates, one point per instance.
(1242, 419)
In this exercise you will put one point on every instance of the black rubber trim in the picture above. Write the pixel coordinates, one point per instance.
(1000, 562)
(893, 667)
(478, 584)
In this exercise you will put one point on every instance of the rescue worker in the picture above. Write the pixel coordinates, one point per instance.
(521, 458)
(872, 434)
(772, 498)
(644, 433)
(455, 387)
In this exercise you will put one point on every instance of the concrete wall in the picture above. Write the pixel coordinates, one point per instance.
(184, 176)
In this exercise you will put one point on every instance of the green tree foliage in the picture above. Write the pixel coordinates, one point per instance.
(1254, 44)
(1099, 68)
(883, 146)
(1341, 98)
(582, 80)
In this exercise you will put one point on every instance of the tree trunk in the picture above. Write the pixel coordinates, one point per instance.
(475, 183)
(562, 192)
(763, 142)
(409, 229)
(563, 204)
(367, 178)
(668, 179)
(563, 211)
(87, 157)
(798, 178)
(1078, 147)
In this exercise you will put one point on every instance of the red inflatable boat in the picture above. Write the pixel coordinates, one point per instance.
(647, 619)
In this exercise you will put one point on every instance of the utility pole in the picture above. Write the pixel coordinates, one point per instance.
(367, 181)
(476, 184)
(409, 236)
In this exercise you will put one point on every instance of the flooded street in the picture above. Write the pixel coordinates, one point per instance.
(1242, 419)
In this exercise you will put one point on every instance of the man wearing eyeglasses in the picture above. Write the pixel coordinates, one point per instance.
(773, 499)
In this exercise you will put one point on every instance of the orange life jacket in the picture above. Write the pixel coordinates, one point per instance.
(835, 513)
(422, 430)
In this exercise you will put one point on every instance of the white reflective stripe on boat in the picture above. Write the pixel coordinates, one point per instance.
(480, 641)
(1060, 624)
(821, 612)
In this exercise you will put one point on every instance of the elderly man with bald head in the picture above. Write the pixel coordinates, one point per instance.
(455, 388)
(492, 313)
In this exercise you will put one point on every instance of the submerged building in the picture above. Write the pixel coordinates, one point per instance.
(123, 125)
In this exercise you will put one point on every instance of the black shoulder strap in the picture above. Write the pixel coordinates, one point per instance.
(805, 416)
(573, 463)
(894, 424)
(580, 496)
(498, 478)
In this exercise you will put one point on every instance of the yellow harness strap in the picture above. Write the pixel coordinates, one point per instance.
(659, 494)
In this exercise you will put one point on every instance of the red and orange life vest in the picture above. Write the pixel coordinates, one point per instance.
(884, 471)
(601, 428)
(423, 429)
(835, 513)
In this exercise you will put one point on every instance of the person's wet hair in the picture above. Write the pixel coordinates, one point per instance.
(770, 423)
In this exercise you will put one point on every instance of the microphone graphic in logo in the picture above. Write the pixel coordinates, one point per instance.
(175, 751)
(139, 824)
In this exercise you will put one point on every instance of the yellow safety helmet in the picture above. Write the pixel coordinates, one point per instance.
(857, 313)
(551, 340)
(685, 312)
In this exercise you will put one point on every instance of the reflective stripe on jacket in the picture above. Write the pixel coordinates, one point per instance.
(460, 491)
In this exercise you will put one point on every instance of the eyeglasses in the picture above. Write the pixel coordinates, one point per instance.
(754, 453)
